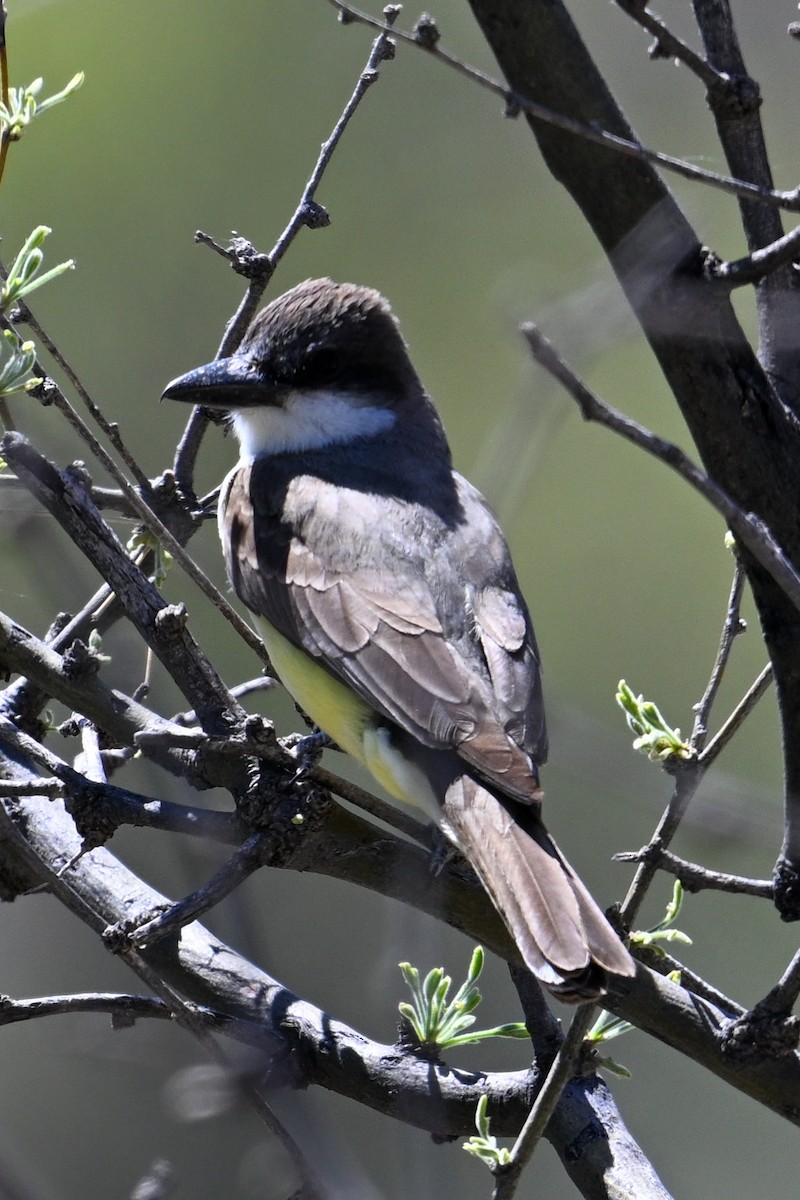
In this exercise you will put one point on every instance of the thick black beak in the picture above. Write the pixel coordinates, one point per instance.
(226, 383)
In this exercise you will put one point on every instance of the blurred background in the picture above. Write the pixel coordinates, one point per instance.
(197, 115)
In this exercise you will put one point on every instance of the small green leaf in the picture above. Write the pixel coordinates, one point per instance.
(607, 1026)
(663, 931)
(441, 1023)
(16, 365)
(653, 736)
(23, 277)
(484, 1146)
(96, 646)
(24, 104)
(615, 1068)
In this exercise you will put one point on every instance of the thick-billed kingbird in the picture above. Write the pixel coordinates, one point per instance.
(384, 591)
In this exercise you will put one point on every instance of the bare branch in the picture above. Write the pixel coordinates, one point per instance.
(109, 428)
(246, 859)
(561, 1070)
(152, 522)
(515, 103)
(667, 45)
(783, 997)
(696, 878)
(749, 529)
(101, 892)
(756, 266)
(732, 626)
(123, 1009)
(308, 214)
(163, 627)
(737, 717)
(99, 809)
(111, 710)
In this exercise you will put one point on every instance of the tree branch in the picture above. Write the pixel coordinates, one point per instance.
(594, 131)
(750, 530)
(309, 215)
(696, 878)
(740, 417)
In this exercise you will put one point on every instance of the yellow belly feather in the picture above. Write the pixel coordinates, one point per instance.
(347, 719)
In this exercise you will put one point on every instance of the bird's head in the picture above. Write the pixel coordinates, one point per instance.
(324, 363)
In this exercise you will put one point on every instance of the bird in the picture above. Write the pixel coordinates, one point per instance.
(384, 591)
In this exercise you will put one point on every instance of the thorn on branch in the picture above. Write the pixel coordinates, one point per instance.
(315, 216)
(657, 50)
(426, 32)
(786, 884)
(759, 1034)
(80, 661)
(249, 262)
(205, 239)
(171, 621)
(732, 97)
(45, 391)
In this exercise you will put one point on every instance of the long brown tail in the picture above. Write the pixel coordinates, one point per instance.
(561, 933)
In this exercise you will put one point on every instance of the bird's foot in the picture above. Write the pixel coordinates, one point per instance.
(306, 749)
(442, 851)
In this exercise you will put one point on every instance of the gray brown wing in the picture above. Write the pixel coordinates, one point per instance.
(447, 654)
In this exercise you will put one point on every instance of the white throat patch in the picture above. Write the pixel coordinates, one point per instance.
(307, 421)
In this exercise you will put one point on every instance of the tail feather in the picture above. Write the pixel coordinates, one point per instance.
(560, 931)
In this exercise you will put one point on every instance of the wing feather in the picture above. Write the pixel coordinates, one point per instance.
(447, 652)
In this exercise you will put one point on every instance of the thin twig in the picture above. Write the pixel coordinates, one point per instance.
(5, 139)
(668, 45)
(308, 211)
(515, 102)
(119, 1006)
(664, 963)
(686, 783)
(159, 530)
(243, 862)
(687, 780)
(239, 691)
(136, 499)
(696, 878)
(783, 997)
(747, 527)
(740, 713)
(109, 428)
(308, 214)
(117, 714)
(756, 266)
(112, 806)
(561, 1071)
(731, 627)
(390, 814)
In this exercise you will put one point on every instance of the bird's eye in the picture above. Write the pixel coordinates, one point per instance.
(321, 364)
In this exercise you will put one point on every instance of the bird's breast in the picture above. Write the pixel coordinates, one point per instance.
(344, 716)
